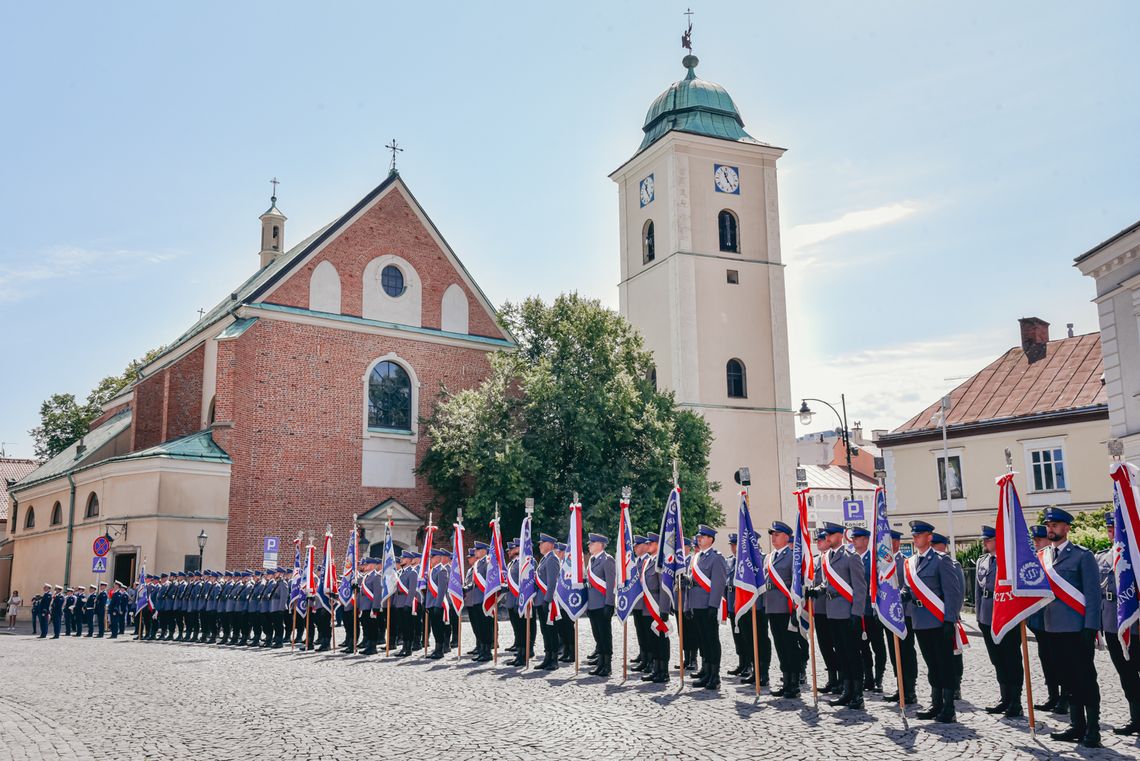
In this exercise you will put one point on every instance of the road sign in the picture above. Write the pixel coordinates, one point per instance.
(101, 546)
(269, 552)
(853, 510)
(98, 564)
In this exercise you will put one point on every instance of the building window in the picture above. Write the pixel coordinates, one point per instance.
(955, 477)
(56, 514)
(390, 398)
(1048, 469)
(15, 510)
(30, 518)
(92, 506)
(651, 376)
(392, 281)
(727, 224)
(648, 246)
(737, 383)
(733, 277)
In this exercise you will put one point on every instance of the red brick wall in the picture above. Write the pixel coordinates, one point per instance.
(108, 415)
(389, 227)
(295, 396)
(168, 404)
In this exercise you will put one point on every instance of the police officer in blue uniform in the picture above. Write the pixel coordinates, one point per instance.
(780, 609)
(662, 601)
(1005, 655)
(933, 630)
(708, 567)
(99, 608)
(1127, 665)
(872, 646)
(42, 610)
(842, 576)
(1072, 624)
(547, 575)
(906, 644)
(118, 610)
(602, 574)
(57, 603)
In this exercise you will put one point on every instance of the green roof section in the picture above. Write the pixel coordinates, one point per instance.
(695, 106)
(236, 328)
(197, 446)
(72, 458)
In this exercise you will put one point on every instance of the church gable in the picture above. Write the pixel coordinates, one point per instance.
(386, 261)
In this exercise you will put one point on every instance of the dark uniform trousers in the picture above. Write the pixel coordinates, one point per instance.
(566, 636)
(872, 649)
(1127, 668)
(787, 649)
(909, 656)
(518, 625)
(640, 630)
(478, 624)
(602, 629)
(708, 630)
(846, 634)
(550, 644)
(659, 641)
(439, 631)
(823, 633)
(1076, 666)
(1049, 655)
(937, 646)
(692, 644)
(1005, 655)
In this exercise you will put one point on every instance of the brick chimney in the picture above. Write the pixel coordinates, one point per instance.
(1034, 337)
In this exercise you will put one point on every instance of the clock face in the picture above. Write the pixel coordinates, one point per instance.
(647, 191)
(726, 179)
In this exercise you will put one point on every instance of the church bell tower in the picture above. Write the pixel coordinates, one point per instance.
(703, 281)
(272, 230)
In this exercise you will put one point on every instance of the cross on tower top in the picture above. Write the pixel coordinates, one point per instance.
(687, 35)
(394, 148)
(274, 182)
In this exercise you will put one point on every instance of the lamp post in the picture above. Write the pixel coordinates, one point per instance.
(940, 419)
(806, 414)
(201, 547)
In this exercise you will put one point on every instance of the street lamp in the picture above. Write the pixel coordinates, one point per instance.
(201, 547)
(806, 414)
(940, 418)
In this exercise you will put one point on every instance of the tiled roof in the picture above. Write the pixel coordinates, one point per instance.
(12, 469)
(1067, 378)
(196, 446)
(70, 458)
(835, 477)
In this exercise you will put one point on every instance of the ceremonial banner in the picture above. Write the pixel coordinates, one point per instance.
(885, 597)
(628, 589)
(425, 581)
(527, 568)
(324, 596)
(1021, 587)
(348, 577)
(803, 565)
(455, 572)
(389, 574)
(1126, 548)
(495, 570)
(142, 598)
(310, 580)
(571, 589)
(296, 591)
(748, 579)
(671, 550)
(328, 578)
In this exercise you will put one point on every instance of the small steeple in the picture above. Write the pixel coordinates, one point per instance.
(272, 229)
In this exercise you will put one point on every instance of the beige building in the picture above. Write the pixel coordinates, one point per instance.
(1115, 266)
(1044, 401)
(702, 280)
(830, 487)
(153, 503)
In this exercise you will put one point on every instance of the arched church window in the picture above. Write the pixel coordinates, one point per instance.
(57, 514)
(728, 226)
(737, 383)
(390, 398)
(392, 281)
(92, 506)
(30, 518)
(648, 247)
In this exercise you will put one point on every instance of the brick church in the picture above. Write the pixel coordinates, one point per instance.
(292, 404)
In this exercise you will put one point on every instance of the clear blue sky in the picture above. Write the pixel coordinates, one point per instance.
(946, 163)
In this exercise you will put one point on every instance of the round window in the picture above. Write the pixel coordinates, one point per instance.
(392, 281)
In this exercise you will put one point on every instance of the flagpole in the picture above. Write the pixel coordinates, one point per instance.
(680, 596)
(898, 676)
(811, 641)
(309, 601)
(355, 601)
(427, 550)
(1028, 680)
(755, 643)
(526, 653)
(529, 552)
(575, 647)
(497, 538)
(332, 613)
(138, 629)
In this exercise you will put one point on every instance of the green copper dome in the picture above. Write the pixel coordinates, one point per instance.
(695, 106)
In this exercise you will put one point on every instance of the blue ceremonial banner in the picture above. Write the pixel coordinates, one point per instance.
(1125, 550)
(748, 579)
(671, 550)
(628, 589)
(348, 575)
(455, 570)
(322, 597)
(142, 599)
(803, 566)
(296, 592)
(495, 569)
(389, 576)
(885, 596)
(571, 589)
(527, 568)
(1021, 587)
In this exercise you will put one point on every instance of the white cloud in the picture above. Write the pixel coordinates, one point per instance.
(17, 282)
(887, 385)
(800, 238)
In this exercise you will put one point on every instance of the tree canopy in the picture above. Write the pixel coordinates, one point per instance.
(573, 409)
(63, 419)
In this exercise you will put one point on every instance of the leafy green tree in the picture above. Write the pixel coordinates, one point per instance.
(63, 420)
(571, 410)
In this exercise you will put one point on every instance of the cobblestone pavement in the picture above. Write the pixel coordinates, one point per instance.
(101, 699)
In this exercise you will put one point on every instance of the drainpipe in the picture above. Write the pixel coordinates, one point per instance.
(70, 529)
